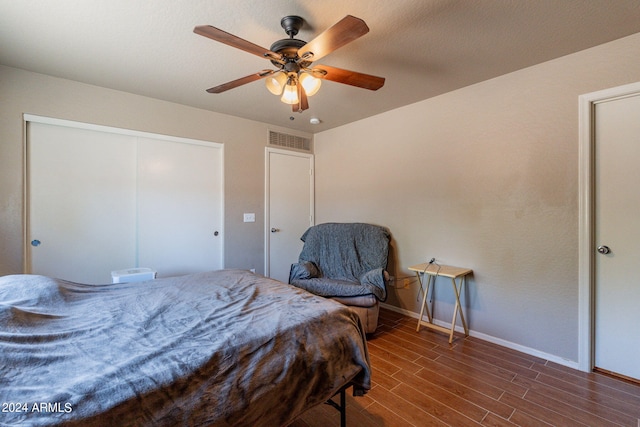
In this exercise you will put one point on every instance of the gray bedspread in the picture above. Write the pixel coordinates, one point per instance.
(217, 348)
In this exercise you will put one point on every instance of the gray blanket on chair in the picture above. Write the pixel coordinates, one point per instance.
(343, 260)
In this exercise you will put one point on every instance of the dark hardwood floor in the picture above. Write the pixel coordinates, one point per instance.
(421, 380)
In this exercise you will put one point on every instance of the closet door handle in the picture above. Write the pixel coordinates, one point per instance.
(275, 230)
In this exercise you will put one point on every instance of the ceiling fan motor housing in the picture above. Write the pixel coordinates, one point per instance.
(288, 48)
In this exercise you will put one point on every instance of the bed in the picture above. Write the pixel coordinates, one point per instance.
(219, 348)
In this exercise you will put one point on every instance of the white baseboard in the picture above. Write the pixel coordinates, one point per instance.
(499, 341)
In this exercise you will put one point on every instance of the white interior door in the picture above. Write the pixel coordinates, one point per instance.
(81, 202)
(290, 208)
(617, 226)
(179, 206)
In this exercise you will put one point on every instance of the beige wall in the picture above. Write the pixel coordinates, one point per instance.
(244, 141)
(485, 177)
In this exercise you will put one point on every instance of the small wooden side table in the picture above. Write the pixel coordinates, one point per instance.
(431, 271)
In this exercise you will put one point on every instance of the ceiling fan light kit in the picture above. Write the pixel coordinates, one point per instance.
(276, 82)
(296, 79)
(290, 94)
(310, 84)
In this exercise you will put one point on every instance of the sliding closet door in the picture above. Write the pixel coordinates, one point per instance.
(103, 199)
(179, 206)
(81, 202)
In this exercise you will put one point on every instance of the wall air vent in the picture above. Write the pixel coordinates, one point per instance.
(289, 141)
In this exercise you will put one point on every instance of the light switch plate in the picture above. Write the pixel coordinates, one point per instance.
(249, 217)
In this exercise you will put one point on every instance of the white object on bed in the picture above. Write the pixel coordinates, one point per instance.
(133, 275)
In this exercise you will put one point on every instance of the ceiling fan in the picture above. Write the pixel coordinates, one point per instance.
(296, 77)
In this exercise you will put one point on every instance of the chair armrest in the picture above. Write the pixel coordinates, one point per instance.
(303, 270)
(377, 278)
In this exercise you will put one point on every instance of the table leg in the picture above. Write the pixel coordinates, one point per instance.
(424, 300)
(457, 288)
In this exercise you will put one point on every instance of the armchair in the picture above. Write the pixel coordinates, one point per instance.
(345, 262)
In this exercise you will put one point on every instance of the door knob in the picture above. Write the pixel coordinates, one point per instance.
(35, 242)
(604, 249)
(275, 230)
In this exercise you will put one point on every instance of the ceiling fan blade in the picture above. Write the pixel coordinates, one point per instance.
(303, 103)
(345, 31)
(353, 78)
(234, 41)
(241, 81)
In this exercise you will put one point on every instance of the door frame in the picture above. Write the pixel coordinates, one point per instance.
(26, 118)
(267, 197)
(586, 209)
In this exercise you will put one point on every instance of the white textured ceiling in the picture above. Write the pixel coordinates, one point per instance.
(422, 47)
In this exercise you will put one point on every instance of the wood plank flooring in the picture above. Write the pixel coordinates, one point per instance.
(421, 380)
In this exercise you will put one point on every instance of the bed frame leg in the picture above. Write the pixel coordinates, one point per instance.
(342, 407)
